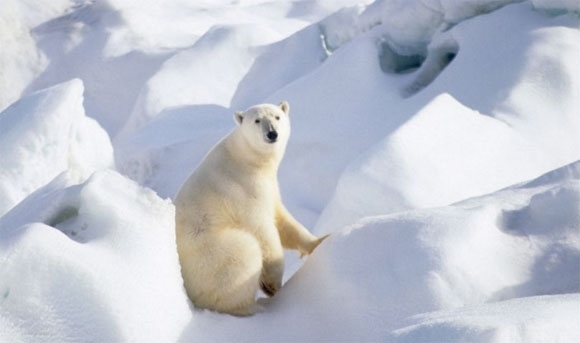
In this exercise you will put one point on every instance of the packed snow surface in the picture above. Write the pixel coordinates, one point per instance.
(438, 142)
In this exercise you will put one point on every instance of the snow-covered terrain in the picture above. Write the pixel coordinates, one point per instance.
(437, 141)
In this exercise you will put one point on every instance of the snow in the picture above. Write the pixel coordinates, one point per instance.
(44, 134)
(523, 320)
(438, 142)
(557, 5)
(20, 61)
(76, 266)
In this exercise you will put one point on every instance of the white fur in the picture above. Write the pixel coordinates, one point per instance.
(231, 224)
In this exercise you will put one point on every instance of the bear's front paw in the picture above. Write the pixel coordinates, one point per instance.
(310, 247)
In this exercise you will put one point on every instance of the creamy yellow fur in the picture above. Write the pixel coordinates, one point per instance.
(231, 224)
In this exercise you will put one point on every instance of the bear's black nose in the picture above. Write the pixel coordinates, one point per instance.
(272, 136)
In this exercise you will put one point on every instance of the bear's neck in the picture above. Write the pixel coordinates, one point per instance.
(253, 158)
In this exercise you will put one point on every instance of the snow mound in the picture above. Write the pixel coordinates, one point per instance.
(45, 134)
(93, 260)
(415, 166)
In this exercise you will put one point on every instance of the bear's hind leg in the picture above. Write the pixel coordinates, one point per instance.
(235, 265)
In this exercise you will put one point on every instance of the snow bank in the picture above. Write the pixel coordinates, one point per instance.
(94, 261)
(487, 249)
(45, 134)
(516, 132)
(416, 166)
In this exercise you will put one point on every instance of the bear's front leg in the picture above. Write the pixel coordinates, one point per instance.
(294, 235)
(273, 262)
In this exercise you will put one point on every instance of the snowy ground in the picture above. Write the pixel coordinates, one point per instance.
(437, 141)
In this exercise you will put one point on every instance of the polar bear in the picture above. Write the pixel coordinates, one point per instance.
(231, 224)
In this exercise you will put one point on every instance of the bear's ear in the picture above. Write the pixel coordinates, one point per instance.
(285, 107)
(239, 117)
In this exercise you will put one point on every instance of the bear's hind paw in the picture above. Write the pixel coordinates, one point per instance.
(268, 288)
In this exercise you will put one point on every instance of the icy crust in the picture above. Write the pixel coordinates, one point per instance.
(45, 134)
(95, 260)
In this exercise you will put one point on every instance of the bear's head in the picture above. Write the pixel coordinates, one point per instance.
(265, 127)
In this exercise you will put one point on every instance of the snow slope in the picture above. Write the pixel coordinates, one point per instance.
(417, 127)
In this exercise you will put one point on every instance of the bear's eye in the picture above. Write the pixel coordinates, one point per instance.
(277, 117)
(257, 121)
